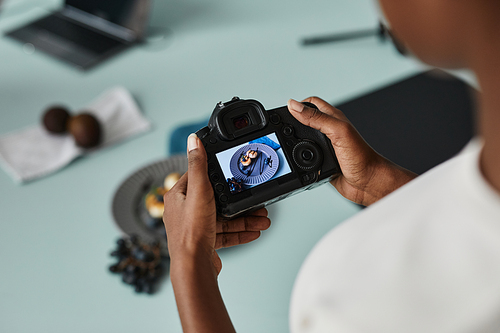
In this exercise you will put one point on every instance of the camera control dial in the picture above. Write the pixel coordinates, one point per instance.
(307, 155)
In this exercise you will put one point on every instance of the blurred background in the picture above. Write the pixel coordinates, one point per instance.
(57, 232)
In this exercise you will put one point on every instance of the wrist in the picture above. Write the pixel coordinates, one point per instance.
(196, 290)
(188, 264)
(188, 250)
(387, 178)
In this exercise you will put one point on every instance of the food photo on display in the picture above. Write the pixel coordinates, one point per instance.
(253, 163)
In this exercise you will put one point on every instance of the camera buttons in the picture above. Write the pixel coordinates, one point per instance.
(211, 167)
(223, 198)
(219, 187)
(275, 119)
(215, 177)
(307, 155)
(288, 130)
(309, 178)
(213, 140)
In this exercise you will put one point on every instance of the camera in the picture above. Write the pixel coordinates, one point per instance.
(257, 157)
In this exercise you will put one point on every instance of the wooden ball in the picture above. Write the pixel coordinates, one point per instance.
(55, 119)
(86, 130)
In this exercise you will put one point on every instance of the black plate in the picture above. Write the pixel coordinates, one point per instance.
(129, 210)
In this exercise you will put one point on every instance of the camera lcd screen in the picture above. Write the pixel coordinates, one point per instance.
(253, 163)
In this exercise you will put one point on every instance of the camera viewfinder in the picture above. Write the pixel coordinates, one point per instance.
(241, 122)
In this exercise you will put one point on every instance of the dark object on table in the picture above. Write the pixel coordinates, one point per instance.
(55, 119)
(380, 32)
(129, 211)
(85, 32)
(178, 138)
(418, 122)
(86, 130)
(306, 157)
(139, 263)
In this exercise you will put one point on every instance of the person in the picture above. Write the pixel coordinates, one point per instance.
(424, 256)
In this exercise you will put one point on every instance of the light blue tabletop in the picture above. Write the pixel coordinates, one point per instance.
(57, 232)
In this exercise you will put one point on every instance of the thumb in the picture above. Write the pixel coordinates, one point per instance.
(198, 182)
(327, 124)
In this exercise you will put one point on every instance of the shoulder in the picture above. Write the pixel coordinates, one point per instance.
(428, 246)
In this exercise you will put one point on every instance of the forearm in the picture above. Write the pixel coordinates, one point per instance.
(199, 302)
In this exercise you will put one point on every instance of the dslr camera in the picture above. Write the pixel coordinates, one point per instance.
(257, 157)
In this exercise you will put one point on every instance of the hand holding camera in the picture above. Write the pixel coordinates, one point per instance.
(366, 176)
(257, 156)
(191, 202)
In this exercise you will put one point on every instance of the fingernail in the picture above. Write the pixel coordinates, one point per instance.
(295, 106)
(192, 142)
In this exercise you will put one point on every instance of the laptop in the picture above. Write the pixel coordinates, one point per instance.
(85, 32)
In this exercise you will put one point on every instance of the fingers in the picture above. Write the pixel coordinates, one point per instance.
(326, 107)
(326, 123)
(245, 223)
(260, 212)
(217, 262)
(241, 230)
(180, 186)
(237, 238)
(198, 183)
(175, 196)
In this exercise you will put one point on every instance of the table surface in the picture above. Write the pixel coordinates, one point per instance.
(57, 232)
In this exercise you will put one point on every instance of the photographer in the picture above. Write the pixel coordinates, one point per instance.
(425, 257)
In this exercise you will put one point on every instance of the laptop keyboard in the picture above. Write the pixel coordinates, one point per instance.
(77, 34)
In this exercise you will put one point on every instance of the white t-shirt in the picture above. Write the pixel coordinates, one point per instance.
(425, 258)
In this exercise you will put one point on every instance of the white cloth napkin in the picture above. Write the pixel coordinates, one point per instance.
(33, 152)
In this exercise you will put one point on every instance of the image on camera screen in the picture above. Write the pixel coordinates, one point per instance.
(253, 163)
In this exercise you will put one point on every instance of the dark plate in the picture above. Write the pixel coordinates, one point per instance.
(128, 206)
(261, 172)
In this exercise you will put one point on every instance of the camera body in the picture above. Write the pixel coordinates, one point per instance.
(257, 157)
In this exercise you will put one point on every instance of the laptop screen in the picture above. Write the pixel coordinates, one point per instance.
(131, 14)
